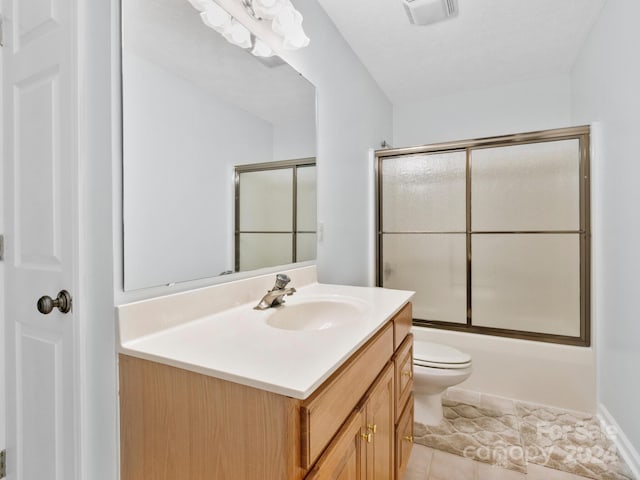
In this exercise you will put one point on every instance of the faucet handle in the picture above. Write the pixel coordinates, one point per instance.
(281, 281)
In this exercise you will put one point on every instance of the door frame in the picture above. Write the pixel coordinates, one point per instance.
(96, 138)
(3, 393)
(99, 160)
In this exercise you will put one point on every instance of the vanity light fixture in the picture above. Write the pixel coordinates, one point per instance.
(264, 26)
(425, 12)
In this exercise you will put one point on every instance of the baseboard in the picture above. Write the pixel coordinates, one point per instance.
(625, 448)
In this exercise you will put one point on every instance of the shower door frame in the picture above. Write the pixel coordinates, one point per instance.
(580, 133)
(293, 164)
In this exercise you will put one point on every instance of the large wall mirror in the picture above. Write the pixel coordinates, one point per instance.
(195, 109)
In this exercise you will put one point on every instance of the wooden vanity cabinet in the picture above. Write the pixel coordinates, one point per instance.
(402, 322)
(403, 414)
(328, 407)
(180, 425)
(345, 457)
(404, 438)
(403, 361)
(380, 427)
(363, 449)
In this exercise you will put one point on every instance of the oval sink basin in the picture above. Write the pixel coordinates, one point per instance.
(318, 314)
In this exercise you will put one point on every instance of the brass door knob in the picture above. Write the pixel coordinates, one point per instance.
(46, 304)
(372, 428)
(367, 436)
(409, 438)
(408, 374)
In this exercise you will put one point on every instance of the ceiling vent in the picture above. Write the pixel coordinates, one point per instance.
(424, 12)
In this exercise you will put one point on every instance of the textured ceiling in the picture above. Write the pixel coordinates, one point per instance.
(490, 42)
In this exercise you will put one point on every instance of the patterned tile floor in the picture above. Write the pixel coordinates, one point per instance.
(472, 441)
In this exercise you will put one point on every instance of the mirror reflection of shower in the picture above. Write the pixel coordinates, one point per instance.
(194, 107)
(275, 214)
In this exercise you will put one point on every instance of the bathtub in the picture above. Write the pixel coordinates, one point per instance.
(545, 373)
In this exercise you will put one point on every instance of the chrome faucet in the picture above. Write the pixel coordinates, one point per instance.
(275, 296)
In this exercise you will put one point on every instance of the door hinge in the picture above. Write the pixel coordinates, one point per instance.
(3, 463)
(1, 247)
(1, 39)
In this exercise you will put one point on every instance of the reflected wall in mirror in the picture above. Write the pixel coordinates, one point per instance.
(194, 107)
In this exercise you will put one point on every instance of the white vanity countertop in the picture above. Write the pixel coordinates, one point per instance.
(238, 345)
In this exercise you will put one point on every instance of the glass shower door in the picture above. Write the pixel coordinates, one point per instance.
(526, 237)
(492, 234)
(423, 232)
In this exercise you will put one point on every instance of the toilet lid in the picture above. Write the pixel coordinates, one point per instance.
(431, 354)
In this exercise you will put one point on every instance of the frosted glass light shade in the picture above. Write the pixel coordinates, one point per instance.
(203, 5)
(295, 39)
(261, 49)
(527, 282)
(531, 187)
(265, 27)
(288, 24)
(425, 193)
(268, 9)
(434, 266)
(216, 18)
(238, 34)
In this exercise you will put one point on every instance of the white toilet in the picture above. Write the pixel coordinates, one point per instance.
(436, 367)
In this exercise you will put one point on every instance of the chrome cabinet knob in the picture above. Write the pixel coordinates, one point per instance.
(46, 304)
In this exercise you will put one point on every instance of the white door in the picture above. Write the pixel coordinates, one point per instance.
(40, 220)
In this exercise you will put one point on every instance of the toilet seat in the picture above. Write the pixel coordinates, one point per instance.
(436, 355)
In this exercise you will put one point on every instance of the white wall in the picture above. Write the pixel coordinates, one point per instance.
(295, 140)
(531, 105)
(98, 155)
(605, 87)
(353, 116)
(181, 144)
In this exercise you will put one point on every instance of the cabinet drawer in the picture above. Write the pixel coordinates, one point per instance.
(404, 438)
(327, 409)
(403, 362)
(402, 323)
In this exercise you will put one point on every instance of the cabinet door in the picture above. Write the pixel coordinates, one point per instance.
(380, 424)
(328, 407)
(404, 438)
(344, 459)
